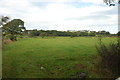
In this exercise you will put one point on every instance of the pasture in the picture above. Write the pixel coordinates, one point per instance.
(60, 57)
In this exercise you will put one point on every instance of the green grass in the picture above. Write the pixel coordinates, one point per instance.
(61, 57)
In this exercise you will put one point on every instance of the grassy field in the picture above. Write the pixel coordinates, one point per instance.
(60, 57)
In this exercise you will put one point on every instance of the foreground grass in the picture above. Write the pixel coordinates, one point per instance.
(61, 57)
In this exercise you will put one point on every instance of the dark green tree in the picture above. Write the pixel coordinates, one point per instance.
(43, 34)
(13, 28)
(118, 34)
(92, 33)
(34, 32)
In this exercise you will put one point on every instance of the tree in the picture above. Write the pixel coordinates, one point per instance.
(43, 34)
(13, 28)
(118, 34)
(111, 2)
(118, 1)
(4, 19)
(34, 32)
(92, 33)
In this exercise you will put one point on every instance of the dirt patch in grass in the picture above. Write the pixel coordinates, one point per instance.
(6, 41)
(95, 71)
(79, 66)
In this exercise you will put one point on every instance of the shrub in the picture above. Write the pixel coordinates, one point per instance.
(110, 56)
(11, 37)
(43, 34)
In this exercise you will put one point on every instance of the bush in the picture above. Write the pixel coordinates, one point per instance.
(43, 34)
(11, 37)
(110, 56)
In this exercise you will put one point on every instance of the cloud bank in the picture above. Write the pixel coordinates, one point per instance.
(63, 14)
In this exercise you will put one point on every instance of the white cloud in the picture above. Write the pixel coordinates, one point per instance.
(93, 1)
(56, 1)
(57, 15)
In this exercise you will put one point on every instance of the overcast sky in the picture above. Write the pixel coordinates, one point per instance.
(62, 14)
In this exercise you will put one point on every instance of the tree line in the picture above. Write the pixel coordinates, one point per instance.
(14, 28)
(69, 33)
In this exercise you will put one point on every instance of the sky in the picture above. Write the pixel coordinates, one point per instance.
(62, 15)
